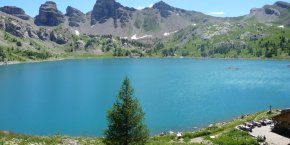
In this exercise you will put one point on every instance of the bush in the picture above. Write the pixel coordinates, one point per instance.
(18, 43)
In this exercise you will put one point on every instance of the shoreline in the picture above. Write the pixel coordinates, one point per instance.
(209, 134)
(204, 127)
(103, 57)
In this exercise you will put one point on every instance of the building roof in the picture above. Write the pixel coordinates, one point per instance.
(284, 116)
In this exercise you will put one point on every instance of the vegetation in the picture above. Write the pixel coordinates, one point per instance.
(235, 137)
(125, 119)
(225, 133)
(254, 40)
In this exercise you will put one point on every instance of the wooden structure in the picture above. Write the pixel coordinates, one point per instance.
(282, 122)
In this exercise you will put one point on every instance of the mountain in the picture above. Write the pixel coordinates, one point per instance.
(109, 17)
(75, 16)
(15, 11)
(278, 13)
(49, 15)
(160, 30)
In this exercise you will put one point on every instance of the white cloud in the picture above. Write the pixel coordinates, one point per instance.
(217, 13)
(150, 6)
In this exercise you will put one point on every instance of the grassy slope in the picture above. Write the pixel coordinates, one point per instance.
(226, 134)
(238, 42)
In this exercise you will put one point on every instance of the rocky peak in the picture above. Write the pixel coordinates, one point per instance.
(75, 16)
(15, 11)
(164, 8)
(282, 4)
(103, 10)
(49, 15)
(70, 11)
(106, 9)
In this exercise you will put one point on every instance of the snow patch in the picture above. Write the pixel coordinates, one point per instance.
(194, 24)
(169, 33)
(134, 37)
(77, 32)
(282, 26)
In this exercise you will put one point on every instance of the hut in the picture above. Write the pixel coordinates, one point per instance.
(282, 122)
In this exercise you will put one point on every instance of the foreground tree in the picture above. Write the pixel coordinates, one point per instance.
(125, 119)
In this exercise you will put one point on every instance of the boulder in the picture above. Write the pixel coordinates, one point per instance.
(15, 11)
(49, 15)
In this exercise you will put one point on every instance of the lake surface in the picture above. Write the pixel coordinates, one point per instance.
(72, 97)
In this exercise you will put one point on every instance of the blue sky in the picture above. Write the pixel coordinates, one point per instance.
(221, 8)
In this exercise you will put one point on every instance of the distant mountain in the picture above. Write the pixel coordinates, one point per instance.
(278, 13)
(109, 17)
(161, 30)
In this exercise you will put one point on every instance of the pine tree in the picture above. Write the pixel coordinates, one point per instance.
(125, 119)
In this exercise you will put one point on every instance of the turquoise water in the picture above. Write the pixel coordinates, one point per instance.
(72, 97)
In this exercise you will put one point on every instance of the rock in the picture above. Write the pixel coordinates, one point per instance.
(31, 32)
(2, 24)
(69, 142)
(282, 4)
(43, 34)
(271, 11)
(256, 37)
(16, 29)
(15, 11)
(57, 38)
(49, 15)
(105, 9)
(255, 11)
(75, 16)
(79, 45)
(164, 9)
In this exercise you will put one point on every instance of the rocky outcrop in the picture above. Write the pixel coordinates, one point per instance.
(2, 24)
(31, 32)
(272, 11)
(106, 9)
(75, 16)
(15, 11)
(57, 38)
(16, 29)
(43, 34)
(282, 4)
(49, 15)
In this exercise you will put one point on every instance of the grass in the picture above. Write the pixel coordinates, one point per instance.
(235, 137)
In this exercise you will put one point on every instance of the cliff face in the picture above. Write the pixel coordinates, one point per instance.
(15, 11)
(49, 15)
(106, 9)
(75, 16)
